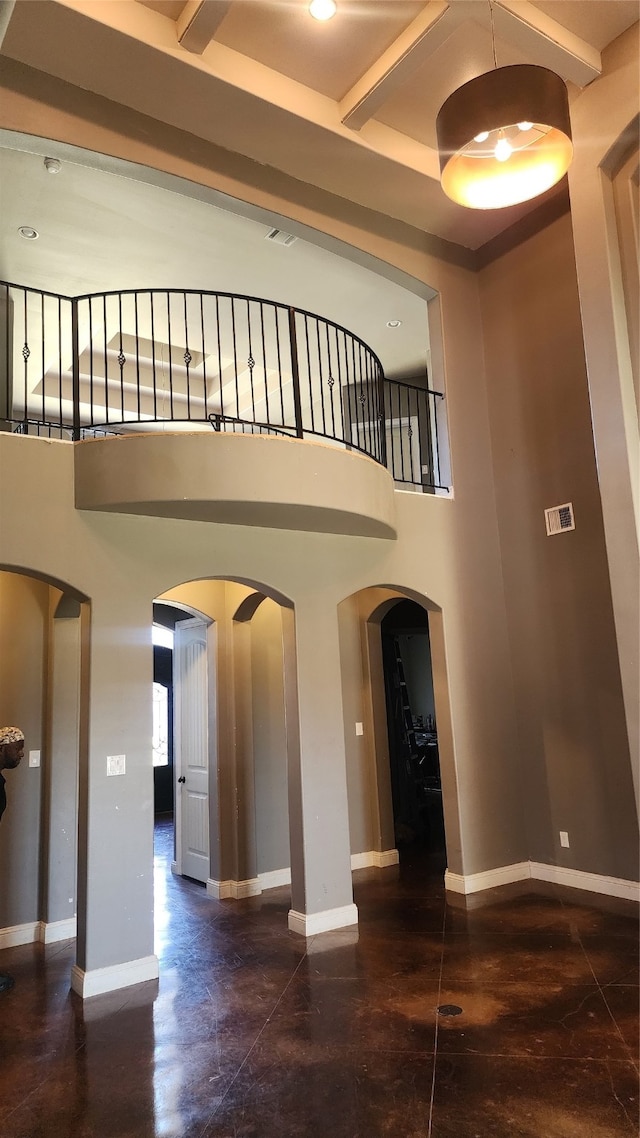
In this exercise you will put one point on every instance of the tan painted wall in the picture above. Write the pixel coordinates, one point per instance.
(605, 121)
(447, 552)
(60, 771)
(24, 607)
(269, 739)
(573, 753)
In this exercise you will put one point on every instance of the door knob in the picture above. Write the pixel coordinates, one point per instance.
(182, 778)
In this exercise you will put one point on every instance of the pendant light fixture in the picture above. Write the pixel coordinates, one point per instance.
(504, 137)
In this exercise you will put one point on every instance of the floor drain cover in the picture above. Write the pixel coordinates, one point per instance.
(449, 1010)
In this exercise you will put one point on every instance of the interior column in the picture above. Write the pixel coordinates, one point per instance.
(58, 911)
(115, 843)
(321, 888)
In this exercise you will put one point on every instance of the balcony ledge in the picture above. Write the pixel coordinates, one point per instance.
(249, 480)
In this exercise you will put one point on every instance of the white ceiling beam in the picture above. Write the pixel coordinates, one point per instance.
(414, 45)
(198, 22)
(544, 40)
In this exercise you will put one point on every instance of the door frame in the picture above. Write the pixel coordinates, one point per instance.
(193, 618)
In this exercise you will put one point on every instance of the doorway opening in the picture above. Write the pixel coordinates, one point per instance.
(416, 788)
(165, 618)
(221, 735)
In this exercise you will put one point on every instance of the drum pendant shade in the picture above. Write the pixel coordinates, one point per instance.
(504, 137)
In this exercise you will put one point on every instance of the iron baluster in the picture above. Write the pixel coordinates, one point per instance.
(295, 374)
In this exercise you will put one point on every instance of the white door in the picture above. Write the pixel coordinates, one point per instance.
(191, 749)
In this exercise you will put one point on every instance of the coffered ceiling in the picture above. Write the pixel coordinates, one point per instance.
(348, 105)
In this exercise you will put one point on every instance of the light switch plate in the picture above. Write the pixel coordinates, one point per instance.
(116, 764)
(359, 729)
(34, 758)
(564, 839)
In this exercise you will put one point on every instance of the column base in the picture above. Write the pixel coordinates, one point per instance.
(222, 890)
(99, 980)
(308, 924)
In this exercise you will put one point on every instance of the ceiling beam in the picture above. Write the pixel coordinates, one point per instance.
(414, 45)
(198, 22)
(544, 40)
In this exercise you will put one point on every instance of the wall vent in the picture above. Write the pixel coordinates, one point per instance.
(280, 237)
(559, 518)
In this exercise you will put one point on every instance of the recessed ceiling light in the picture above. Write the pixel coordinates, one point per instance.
(394, 323)
(28, 233)
(323, 9)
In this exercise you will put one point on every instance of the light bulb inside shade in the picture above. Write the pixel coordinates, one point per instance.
(525, 125)
(482, 137)
(322, 9)
(503, 150)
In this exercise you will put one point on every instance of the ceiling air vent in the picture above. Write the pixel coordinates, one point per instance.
(559, 518)
(280, 237)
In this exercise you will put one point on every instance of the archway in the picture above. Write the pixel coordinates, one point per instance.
(244, 734)
(43, 625)
(373, 827)
(416, 788)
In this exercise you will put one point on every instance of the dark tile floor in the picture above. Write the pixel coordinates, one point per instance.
(253, 1032)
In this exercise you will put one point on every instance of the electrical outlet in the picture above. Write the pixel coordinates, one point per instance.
(34, 758)
(564, 838)
(115, 764)
(359, 729)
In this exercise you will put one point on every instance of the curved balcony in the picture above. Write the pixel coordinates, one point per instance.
(181, 360)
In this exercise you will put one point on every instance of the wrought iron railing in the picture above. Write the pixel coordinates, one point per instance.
(74, 367)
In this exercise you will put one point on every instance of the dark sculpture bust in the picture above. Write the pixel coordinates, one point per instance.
(11, 755)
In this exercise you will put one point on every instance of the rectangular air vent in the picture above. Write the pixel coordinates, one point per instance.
(559, 518)
(280, 237)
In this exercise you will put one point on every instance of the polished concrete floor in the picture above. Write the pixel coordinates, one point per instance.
(253, 1032)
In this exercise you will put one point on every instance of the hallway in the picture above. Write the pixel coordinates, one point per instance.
(254, 1032)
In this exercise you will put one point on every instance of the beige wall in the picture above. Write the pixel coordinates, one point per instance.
(269, 738)
(573, 753)
(518, 664)
(24, 611)
(605, 125)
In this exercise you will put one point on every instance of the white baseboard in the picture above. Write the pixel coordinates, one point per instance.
(489, 879)
(219, 889)
(19, 934)
(308, 924)
(538, 871)
(275, 878)
(249, 888)
(49, 932)
(100, 980)
(377, 858)
(591, 882)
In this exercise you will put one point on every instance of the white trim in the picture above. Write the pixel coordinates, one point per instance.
(19, 934)
(51, 931)
(249, 888)
(489, 879)
(591, 882)
(274, 878)
(99, 980)
(308, 924)
(377, 858)
(220, 890)
(538, 871)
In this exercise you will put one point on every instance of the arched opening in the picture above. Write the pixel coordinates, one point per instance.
(412, 732)
(43, 626)
(403, 803)
(223, 819)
